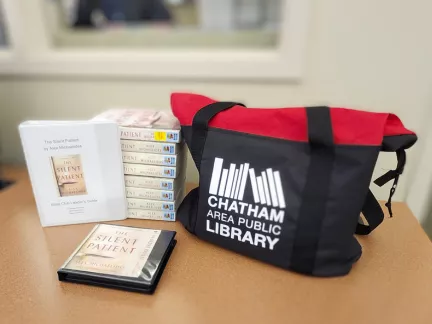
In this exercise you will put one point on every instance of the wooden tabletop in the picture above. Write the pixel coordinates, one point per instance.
(392, 282)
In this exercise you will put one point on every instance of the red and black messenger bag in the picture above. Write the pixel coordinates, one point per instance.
(287, 186)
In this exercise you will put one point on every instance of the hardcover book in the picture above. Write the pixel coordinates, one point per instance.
(151, 194)
(122, 257)
(152, 215)
(76, 171)
(157, 205)
(150, 170)
(149, 134)
(153, 183)
(149, 147)
(144, 124)
(151, 159)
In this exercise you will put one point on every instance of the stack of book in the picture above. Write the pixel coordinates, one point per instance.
(153, 161)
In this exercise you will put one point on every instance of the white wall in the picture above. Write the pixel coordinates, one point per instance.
(373, 55)
(419, 198)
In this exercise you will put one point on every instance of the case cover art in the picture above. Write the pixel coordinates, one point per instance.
(114, 250)
(69, 175)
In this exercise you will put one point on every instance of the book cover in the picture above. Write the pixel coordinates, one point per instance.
(149, 147)
(154, 183)
(150, 170)
(144, 124)
(69, 175)
(151, 159)
(76, 171)
(152, 215)
(123, 257)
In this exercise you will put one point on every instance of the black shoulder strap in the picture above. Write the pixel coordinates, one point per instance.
(373, 213)
(372, 210)
(200, 127)
(187, 212)
(393, 174)
(315, 193)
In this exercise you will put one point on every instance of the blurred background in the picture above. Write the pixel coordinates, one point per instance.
(371, 55)
(164, 23)
(3, 40)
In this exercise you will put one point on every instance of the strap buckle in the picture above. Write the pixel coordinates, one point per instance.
(393, 174)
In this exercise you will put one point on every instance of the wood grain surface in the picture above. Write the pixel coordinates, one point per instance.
(202, 283)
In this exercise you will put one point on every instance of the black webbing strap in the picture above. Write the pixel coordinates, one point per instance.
(200, 127)
(373, 213)
(315, 194)
(393, 174)
(372, 210)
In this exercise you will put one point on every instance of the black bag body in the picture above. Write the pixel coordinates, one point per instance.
(286, 186)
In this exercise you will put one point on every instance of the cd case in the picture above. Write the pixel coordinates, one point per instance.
(121, 257)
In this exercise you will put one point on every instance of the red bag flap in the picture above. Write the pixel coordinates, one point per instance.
(350, 127)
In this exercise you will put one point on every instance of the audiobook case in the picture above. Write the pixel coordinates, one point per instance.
(122, 257)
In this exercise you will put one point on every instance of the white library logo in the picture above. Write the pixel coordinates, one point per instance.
(231, 183)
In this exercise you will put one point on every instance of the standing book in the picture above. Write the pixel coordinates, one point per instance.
(76, 171)
(121, 257)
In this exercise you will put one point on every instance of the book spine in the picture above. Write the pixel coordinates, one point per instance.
(150, 183)
(151, 214)
(152, 159)
(149, 147)
(153, 194)
(146, 204)
(150, 170)
(150, 134)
